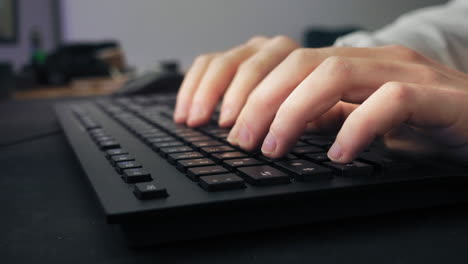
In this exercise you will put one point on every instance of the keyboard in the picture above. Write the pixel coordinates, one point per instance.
(163, 182)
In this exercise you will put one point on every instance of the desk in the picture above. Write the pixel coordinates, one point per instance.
(50, 215)
(77, 88)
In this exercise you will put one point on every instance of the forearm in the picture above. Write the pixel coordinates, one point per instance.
(439, 32)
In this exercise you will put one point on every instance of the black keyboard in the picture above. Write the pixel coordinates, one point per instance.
(163, 182)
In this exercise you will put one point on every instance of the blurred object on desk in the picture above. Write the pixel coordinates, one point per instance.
(6, 80)
(74, 61)
(78, 88)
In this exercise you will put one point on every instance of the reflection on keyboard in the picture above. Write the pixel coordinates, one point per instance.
(139, 162)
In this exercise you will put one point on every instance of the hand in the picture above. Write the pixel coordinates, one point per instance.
(276, 90)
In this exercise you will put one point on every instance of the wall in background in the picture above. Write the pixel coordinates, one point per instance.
(152, 30)
(32, 14)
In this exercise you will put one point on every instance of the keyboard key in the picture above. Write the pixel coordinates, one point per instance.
(160, 139)
(216, 149)
(195, 173)
(136, 175)
(166, 151)
(228, 155)
(111, 144)
(103, 138)
(263, 175)
(305, 170)
(305, 150)
(183, 165)
(120, 166)
(288, 156)
(208, 143)
(113, 152)
(149, 190)
(159, 145)
(317, 157)
(221, 182)
(198, 138)
(236, 163)
(355, 168)
(320, 142)
(120, 158)
(383, 162)
(172, 158)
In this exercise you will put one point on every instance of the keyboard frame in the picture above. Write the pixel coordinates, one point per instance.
(191, 212)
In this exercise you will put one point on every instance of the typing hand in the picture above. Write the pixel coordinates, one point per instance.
(273, 90)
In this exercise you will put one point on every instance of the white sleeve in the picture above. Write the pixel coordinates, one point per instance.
(439, 32)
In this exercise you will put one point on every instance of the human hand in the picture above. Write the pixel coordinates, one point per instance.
(273, 94)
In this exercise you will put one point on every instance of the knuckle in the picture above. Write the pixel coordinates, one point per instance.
(283, 40)
(427, 74)
(203, 58)
(252, 65)
(299, 55)
(221, 60)
(406, 53)
(336, 65)
(256, 39)
(397, 91)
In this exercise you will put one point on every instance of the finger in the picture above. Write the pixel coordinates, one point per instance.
(249, 75)
(189, 85)
(332, 119)
(216, 79)
(396, 103)
(337, 78)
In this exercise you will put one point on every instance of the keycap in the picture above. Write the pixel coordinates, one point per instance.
(159, 145)
(228, 155)
(136, 175)
(113, 152)
(317, 157)
(354, 168)
(208, 143)
(305, 150)
(166, 151)
(300, 144)
(149, 190)
(383, 162)
(195, 173)
(221, 182)
(160, 139)
(111, 144)
(288, 156)
(103, 138)
(120, 166)
(323, 143)
(172, 158)
(183, 165)
(305, 170)
(216, 149)
(197, 138)
(120, 158)
(236, 163)
(263, 175)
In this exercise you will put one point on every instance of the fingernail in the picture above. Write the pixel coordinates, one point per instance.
(335, 152)
(180, 114)
(226, 114)
(232, 137)
(196, 112)
(244, 136)
(269, 144)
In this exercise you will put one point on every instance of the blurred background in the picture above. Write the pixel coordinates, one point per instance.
(51, 48)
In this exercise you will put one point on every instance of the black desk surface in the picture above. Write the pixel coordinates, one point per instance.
(51, 216)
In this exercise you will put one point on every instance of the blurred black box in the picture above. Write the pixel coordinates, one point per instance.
(7, 80)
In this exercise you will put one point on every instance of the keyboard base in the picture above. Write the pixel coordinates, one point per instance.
(209, 222)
